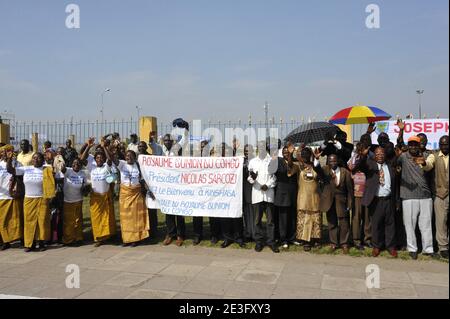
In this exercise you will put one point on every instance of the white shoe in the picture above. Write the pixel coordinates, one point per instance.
(296, 243)
(285, 246)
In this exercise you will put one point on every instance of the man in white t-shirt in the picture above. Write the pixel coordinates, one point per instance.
(134, 144)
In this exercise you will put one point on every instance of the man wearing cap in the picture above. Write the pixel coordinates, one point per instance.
(416, 198)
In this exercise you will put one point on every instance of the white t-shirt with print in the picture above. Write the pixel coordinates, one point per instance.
(129, 174)
(32, 179)
(98, 176)
(5, 180)
(72, 185)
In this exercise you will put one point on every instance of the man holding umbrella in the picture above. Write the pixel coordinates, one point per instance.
(339, 146)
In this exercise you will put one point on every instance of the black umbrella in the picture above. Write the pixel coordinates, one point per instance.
(312, 132)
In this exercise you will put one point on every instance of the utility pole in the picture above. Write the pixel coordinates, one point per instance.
(419, 93)
(266, 118)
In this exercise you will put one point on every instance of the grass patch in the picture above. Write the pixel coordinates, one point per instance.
(324, 250)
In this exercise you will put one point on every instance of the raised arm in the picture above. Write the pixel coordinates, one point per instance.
(9, 167)
(371, 128)
(84, 152)
(401, 126)
(109, 158)
(361, 163)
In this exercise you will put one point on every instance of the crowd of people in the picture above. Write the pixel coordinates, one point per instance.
(383, 196)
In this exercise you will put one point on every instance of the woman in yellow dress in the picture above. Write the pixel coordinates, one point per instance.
(40, 188)
(74, 183)
(309, 217)
(134, 221)
(101, 205)
(10, 221)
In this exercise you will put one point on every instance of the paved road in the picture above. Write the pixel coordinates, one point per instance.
(200, 272)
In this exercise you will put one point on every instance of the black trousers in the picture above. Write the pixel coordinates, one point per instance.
(276, 222)
(232, 229)
(361, 227)
(287, 223)
(57, 209)
(214, 227)
(153, 219)
(175, 226)
(383, 222)
(197, 223)
(259, 210)
(249, 221)
(338, 227)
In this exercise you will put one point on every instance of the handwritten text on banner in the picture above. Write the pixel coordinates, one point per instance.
(194, 186)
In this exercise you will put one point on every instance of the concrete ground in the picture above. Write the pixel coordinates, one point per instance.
(154, 271)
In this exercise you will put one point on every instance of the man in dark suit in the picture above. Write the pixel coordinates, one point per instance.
(380, 197)
(286, 200)
(336, 199)
(247, 207)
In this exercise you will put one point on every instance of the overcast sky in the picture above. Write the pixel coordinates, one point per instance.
(221, 59)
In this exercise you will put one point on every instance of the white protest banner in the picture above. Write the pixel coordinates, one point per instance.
(433, 128)
(194, 186)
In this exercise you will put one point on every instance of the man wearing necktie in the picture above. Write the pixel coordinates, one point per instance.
(336, 199)
(379, 197)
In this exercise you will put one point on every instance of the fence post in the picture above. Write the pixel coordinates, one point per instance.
(35, 142)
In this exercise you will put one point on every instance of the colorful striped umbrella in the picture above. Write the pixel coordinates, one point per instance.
(359, 114)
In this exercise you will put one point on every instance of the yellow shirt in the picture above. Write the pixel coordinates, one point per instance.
(431, 159)
(25, 159)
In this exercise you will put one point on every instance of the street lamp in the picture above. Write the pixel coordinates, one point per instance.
(101, 110)
(266, 117)
(419, 93)
(138, 109)
(103, 93)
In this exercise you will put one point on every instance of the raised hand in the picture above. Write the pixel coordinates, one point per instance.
(371, 128)
(90, 142)
(401, 124)
(291, 148)
(317, 153)
(420, 160)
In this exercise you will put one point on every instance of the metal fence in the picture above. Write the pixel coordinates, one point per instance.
(58, 132)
